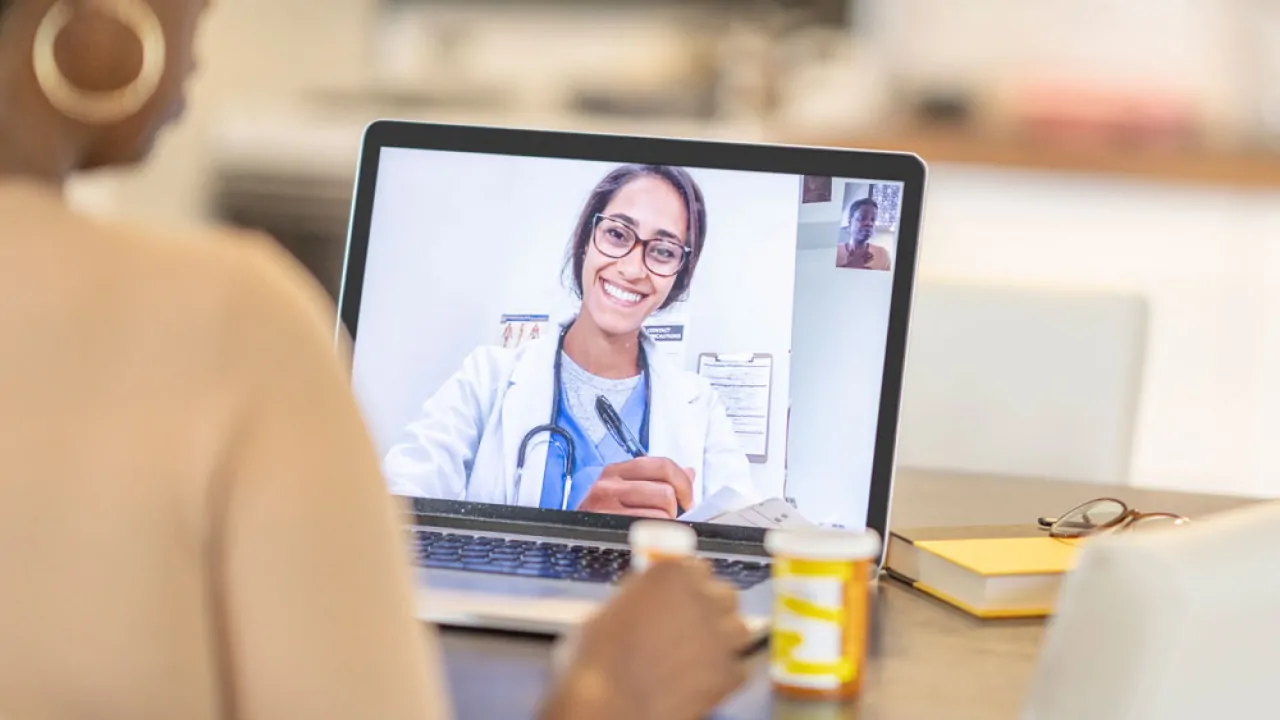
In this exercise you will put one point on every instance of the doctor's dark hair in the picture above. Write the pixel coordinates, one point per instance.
(695, 234)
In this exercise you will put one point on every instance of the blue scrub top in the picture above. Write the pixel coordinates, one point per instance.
(589, 459)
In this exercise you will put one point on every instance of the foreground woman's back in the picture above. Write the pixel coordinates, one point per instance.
(192, 520)
(178, 452)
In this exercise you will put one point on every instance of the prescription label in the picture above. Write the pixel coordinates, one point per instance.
(819, 625)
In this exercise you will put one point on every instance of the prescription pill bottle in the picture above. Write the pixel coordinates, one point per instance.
(821, 581)
(655, 540)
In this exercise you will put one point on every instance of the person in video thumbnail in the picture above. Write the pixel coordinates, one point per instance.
(858, 252)
(591, 417)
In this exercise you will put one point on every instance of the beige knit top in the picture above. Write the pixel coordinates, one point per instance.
(192, 520)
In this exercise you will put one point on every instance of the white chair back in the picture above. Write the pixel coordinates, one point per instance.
(1027, 382)
(1178, 623)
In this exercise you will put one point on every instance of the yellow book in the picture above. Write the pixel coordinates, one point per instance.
(1015, 571)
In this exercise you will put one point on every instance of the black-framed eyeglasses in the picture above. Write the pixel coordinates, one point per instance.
(616, 239)
(1105, 515)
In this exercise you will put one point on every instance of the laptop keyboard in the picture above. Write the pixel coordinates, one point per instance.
(556, 560)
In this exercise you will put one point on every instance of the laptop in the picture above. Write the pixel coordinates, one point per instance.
(556, 334)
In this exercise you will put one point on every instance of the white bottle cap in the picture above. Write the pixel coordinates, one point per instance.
(823, 544)
(653, 539)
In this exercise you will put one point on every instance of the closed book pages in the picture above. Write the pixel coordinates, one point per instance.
(1001, 571)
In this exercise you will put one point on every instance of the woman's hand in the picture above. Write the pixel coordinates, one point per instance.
(667, 647)
(645, 487)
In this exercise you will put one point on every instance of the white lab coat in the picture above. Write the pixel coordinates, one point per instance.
(463, 445)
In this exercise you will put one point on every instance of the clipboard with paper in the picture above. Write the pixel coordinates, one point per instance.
(744, 383)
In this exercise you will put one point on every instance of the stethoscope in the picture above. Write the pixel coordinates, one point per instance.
(557, 433)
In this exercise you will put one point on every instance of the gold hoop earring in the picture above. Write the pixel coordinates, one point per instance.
(106, 106)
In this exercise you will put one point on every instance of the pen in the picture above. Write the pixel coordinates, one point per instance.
(621, 433)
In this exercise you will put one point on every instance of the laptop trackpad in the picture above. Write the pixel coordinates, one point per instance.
(505, 602)
(531, 605)
(511, 585)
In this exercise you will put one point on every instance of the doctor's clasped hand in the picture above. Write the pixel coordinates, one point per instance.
(643, 487)
(591, 418)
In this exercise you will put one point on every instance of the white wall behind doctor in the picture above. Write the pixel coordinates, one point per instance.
(457, 240)
(841, 317)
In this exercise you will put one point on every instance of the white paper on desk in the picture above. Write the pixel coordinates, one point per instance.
(724, 500)
(770, 514)
(727, 506)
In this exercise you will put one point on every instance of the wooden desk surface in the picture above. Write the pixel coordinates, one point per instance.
(927, 659)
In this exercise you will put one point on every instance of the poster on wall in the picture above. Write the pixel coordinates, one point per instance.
(816, 189)
(668, 333)
(516, 330)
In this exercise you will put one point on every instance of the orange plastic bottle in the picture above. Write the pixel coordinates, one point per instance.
(822, 591)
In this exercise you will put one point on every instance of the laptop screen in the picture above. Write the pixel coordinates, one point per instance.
(636, 340)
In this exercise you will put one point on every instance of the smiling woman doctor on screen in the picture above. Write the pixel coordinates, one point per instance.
(530, 426)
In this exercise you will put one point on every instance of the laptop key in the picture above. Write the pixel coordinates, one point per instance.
(538, 572)
(445, 564)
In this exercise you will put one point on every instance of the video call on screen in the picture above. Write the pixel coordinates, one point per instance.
(650, 340)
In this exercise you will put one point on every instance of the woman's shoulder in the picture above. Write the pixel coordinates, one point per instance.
(183, 264)
(131, 273)
(229, 277)
(231, 292)
(678, 379)
(880, 257)
(492, 356)
(495, 360)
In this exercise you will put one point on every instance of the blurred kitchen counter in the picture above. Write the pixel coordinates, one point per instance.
(1259, 169)
(331, 142)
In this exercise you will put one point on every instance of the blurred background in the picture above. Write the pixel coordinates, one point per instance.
(1095, 165)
